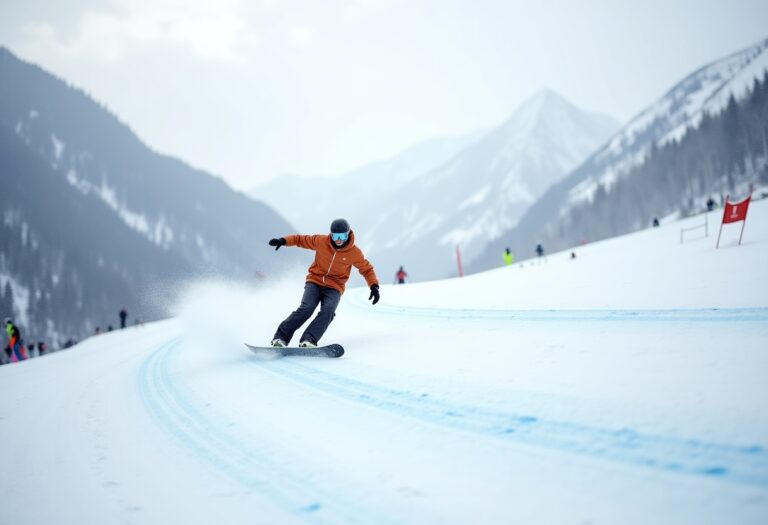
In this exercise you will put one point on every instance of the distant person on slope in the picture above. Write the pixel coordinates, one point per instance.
(508, 257)
(123, 317)
(15, 344)
(335, 254)
(539, 251)
(400, 276)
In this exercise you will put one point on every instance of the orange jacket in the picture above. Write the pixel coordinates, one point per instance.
(332, 265)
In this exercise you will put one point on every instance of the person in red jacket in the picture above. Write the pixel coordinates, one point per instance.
(335, 255)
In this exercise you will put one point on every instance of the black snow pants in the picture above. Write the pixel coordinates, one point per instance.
(328, 298)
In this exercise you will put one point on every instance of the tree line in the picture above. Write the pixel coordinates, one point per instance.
(721, 155)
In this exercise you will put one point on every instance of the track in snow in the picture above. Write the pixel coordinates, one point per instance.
(254, 464)
(734, 463)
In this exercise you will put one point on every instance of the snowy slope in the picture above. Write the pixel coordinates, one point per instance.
(625, 386)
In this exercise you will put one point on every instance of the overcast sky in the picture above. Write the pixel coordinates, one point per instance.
(252, 89)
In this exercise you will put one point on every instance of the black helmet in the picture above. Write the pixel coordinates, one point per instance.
(339, 226)
(8, 320)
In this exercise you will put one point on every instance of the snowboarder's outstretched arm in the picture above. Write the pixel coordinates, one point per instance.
(308, 242)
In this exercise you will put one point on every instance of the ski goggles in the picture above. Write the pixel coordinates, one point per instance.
(340, 236)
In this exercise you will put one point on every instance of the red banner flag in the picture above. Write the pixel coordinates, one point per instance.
(736, 211)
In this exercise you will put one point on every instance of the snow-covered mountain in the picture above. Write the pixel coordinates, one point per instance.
(483, 190)
(624, 387)
(93, 219)
(311, 202)
(704, 92)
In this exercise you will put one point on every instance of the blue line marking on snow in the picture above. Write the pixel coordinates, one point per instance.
(693, 315)
(737, 463)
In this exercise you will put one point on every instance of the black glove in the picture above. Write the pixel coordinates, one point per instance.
(277, 243)
(374, 293)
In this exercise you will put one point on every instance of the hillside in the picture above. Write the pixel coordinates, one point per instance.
(94, 219)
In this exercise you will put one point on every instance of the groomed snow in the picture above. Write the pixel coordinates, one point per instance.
(625, 386)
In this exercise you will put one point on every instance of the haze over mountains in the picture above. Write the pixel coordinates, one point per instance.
(310, 202)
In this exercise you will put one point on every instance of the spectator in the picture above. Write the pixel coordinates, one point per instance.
(655, 222)
(40, 348)
(710, 204)
(15, 348)
(123, 317)
(508, 257)
(400, 276)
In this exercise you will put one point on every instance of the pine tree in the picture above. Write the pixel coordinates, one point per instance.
(7, 303)
(730, 138)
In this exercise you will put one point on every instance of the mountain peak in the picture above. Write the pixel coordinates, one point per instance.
(543, 108)
(547, 113)
(542, 101)
(545, 96)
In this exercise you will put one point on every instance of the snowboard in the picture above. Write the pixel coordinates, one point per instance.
(320, 351)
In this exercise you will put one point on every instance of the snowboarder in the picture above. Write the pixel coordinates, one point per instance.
(15, 344)
(123, 317)
(400, 276)
(335, 254)
(508, 257)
